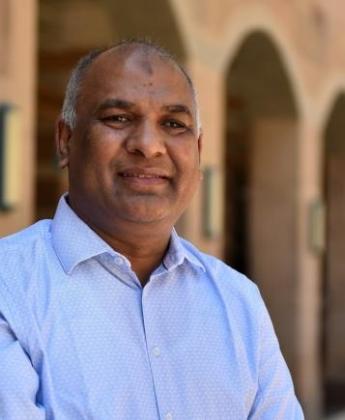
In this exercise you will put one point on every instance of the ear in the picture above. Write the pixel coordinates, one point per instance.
(200, 146)
(63, 134)
(201, 175)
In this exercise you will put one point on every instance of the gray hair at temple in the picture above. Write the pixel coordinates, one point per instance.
(68, 112)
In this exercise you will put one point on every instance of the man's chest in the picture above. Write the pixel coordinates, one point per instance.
(115, 352)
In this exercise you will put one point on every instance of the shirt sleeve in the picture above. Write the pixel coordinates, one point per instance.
(19, 382)
(276, 397)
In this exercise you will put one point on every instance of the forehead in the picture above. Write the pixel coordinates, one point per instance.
(133, 72)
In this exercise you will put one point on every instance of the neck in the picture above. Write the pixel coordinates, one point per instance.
(143, 244)
(144, 250)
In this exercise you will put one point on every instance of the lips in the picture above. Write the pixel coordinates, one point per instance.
(143, 179)
(144, 173)
(146, 176)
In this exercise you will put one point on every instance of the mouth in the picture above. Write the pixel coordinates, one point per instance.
(142, 177)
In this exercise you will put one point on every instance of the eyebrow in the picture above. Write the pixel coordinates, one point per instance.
(178, 109)
(115, 103)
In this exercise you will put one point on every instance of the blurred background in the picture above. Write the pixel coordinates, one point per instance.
(270, 76)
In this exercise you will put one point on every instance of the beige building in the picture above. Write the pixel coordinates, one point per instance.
(271, 81)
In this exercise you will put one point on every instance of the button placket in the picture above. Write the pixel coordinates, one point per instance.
(152, 318)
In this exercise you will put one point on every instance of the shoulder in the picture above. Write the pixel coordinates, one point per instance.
(21, 254)
(22, 241)
(227, 280)
(235, 295)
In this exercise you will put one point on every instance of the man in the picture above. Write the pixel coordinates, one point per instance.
(105, 312)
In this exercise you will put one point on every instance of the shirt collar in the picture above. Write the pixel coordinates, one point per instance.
(177, 253)
(74, 242)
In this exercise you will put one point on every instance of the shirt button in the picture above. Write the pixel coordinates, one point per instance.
(168, 416)
(156, 351)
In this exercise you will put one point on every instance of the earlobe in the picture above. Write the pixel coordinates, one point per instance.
(63, 134)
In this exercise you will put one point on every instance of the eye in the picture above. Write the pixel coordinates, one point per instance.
(174, 125)
(116, 118)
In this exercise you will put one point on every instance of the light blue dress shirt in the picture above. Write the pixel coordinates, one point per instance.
(81, 339)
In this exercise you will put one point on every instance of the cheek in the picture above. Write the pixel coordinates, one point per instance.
(190, 171)
(99, 150)
(190, 160)
(92, 167)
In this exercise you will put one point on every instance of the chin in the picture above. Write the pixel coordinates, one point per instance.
(146, 211)
(144, 218)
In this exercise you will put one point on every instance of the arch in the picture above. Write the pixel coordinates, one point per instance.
(259, 23)
(219, 51)
(67, 30)
(258, 51)
(334, 267)
(261, 177)
(332, 91)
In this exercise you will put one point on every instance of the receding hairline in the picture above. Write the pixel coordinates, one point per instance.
(127, 48)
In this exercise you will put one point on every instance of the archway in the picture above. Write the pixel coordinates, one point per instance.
(334, 262)
(261, 175)
(67, 30)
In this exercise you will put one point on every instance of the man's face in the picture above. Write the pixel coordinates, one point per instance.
(134, 153)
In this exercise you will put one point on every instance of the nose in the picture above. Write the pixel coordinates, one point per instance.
(147, 140)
